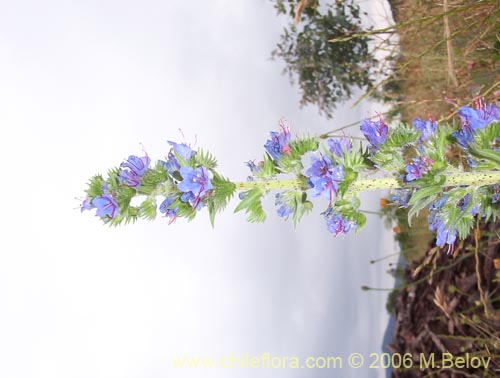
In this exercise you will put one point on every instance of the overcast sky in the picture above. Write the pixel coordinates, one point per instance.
(84, 85)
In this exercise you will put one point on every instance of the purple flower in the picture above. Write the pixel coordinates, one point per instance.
(133, 169)
(463, 137)
(402, 197)
(438, 204)
(339, 146)
(171, 165)
(137, 165)
(254, 168)
(325, 177)
(464, 203)
(284, 208)
(169, 212)
(319, 166)
(419, 167)
(375, 132)
(479, 118)
(445, 234)
(336, 224)
(183, 150)
(278, 144)
(106, 206)
(496, 194)
(475, 119)
(426, 128)
(130, 178)
(87, 205)
(195, 183)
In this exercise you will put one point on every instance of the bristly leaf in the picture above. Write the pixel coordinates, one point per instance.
(355, 160)
(486, 146)
(184, 209)
(128, 214)
(421, 199)
(492, 156)
(302, 207)
(147, 209)
(204, 159)
(113, 181)
(487, 137)
(438, 144)
(95, 186)
(151, 179)
(223, 192)
(388, 156)
(291, 162)
(269, 168)
(252, 205)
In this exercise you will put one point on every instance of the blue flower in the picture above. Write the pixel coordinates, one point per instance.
(106, 206)
(169, 212)
(402, 197)
(130, 178)
(336, 224)
(463, 137)
(284, 207)
(133, 169)
(320, 166)
(195, 184)
(87, 205)
(419, 167)
(478, 119)
(496, 194)
(278, 144)
(474, 120)
(375, 132)
(254, 168)
(171, 165)
(324, 178)
(339, 146)
(182, 150)
(438, 204)
(426, 128)
(137, 165)
(464, 203)
(445, 234)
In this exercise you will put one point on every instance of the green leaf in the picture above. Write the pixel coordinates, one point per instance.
(292, 162)
(222, 193)
(303, 207)
(422, 198)
(95, 186)
(205, 159)
(147, 209)
(269, 168)
(252, 205)
(491, 155)
(152, 178)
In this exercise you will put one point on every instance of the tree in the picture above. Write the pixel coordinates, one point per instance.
(326, 72)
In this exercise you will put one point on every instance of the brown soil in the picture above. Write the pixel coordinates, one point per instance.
(441, 309)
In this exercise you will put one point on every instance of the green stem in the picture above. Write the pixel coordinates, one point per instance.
(458, 179)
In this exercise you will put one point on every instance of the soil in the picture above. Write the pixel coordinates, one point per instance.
(441, 311)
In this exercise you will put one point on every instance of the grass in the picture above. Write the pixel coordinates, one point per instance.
(445, 62)
(448, 55)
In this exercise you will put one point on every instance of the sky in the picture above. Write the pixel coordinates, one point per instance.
(86, 84)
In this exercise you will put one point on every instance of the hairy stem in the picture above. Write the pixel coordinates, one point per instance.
(457, 179)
